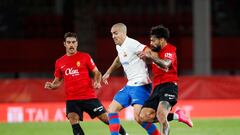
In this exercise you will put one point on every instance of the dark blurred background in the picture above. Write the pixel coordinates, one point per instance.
(31, 32)
(205, 32)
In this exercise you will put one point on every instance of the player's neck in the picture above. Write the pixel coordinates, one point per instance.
(164, 44)
(71, 54)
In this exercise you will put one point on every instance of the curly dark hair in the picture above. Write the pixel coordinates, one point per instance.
(160, 32)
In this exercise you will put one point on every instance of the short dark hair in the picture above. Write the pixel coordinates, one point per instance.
(70, 34)
(160, 32)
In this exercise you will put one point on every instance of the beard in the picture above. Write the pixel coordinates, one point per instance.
(156, 49)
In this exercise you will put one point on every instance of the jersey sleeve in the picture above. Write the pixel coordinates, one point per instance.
(90, 63)
(57, 72)
(137, 47)
(171, 55)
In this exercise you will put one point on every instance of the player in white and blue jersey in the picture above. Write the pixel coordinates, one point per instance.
(138, 87)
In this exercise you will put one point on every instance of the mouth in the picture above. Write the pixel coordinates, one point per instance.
(115, 40)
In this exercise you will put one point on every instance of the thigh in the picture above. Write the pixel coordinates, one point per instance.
(123, 97)
(139, 94)
(169, 93)
(93, 107)
(153, 100)
(74, 106)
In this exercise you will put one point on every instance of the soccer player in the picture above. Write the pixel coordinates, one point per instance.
(164, 68)
(138, 87)
(73, 68)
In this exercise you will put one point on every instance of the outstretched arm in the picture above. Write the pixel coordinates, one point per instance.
(115, 65)
(54, 84)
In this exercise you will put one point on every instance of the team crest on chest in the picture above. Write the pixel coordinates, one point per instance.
(78, 63)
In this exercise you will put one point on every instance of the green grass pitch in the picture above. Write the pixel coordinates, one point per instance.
(201, 127)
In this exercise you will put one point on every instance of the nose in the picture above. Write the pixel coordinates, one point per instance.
(151, 43)
(113, 36)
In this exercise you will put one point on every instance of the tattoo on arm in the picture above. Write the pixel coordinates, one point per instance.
(162, 63)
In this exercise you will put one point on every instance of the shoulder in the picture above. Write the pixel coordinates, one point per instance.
(133, 41)
(171, 47)
(61, 58)
(83, 54)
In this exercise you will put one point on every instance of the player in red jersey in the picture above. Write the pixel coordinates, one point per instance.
(73, 68)
(164, 68)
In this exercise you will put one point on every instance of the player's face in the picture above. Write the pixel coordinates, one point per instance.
(118, 35)
(155, 44)
(71, 45)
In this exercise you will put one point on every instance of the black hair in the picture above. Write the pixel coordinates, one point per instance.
(160, 32)
(70, 34)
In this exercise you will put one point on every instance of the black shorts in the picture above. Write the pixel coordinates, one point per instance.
(163, 92)
(91, 106)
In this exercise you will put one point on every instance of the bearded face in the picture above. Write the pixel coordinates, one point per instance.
(155, 44)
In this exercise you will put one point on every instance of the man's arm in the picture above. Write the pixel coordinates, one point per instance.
(97, 78)
(54, 84)
(148, 53)
(115, 65)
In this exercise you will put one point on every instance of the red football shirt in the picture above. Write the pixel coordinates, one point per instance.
(161, 75)
(74, 70)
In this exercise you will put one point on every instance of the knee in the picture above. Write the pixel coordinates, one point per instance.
(145, 117)
(111, 108)
(104, 118)
(114, 107)
(137, 118)
(73, 117)
(141, 118)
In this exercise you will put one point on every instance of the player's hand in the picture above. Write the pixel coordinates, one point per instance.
(142, 55)
(97, 85)
(48, 85)
(105, 77)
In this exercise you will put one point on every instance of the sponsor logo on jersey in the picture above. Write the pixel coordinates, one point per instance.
(168, 55)
(71, 71)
